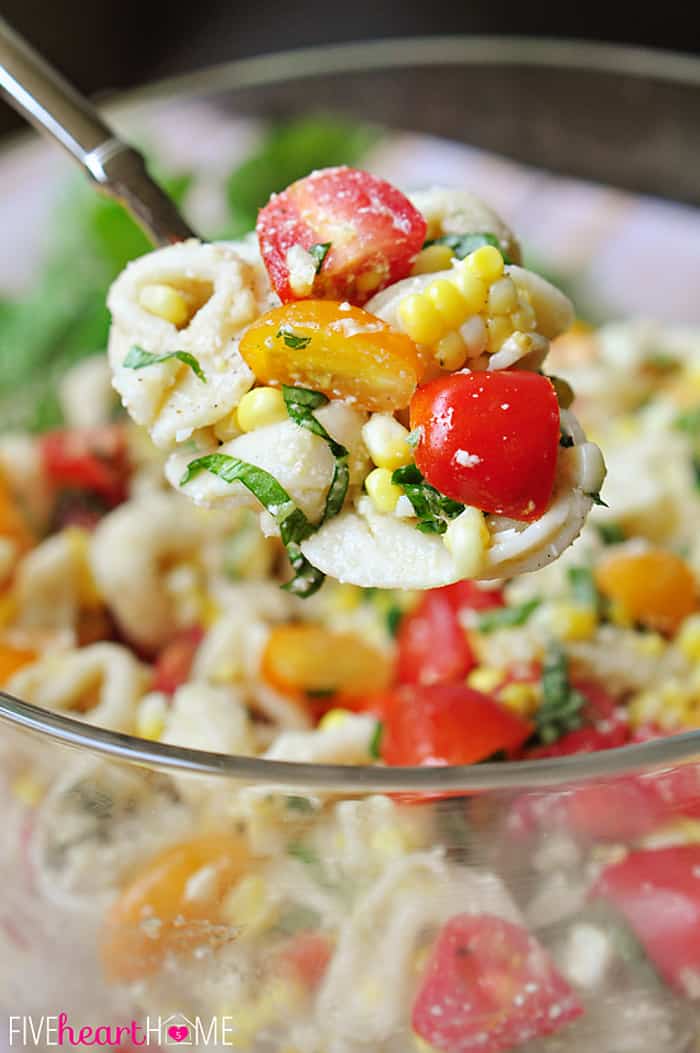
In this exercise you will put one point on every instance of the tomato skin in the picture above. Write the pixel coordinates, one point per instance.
(658, 892)
(444, 724)
(432, 646)
(92, 459)
(609, 735)
(489, 986)
(174, 663)
(509, 420)
(374, 232)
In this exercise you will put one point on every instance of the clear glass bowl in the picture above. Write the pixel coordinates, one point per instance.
(406, 849)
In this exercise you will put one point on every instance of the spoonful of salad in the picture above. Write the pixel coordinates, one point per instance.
(366, 370)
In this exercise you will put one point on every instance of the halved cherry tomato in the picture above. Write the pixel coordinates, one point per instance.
(655, 587)
(95, 460)
(489, 440)
(332, 347)
(373, 230)
(182, 916)
(174, 663)
(302, 658)
(306, 955)
(658, 891)
(489, 986)
(447, 724)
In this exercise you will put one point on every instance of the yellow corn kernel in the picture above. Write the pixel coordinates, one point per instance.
(499, 329)
(385, 439)
(165, 302)
(521, 698)
(451, 351)
(434, 258)
(280, 997)
(651, 645)
(248, 906)
(387, 843)
(27, 790)
(486, 262)
(472, 288)
(344, 598)
(260, 407)
(643, 708)
(151, 716)
(619, 615)
(485, 678)
(228, 427)
(503, 297)
(382, 490)
(448, 301)
(688, 638)
(571, 622)
(420, 319)
(333, 718)
(523, 317)
(467, 538)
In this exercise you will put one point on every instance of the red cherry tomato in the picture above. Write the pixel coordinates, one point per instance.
(373, 230)
(93, 460)
(658, 891)
(174, 663)
(608, 735)
(447, 724)
(306, 955)
(489, 986)
(489, 440)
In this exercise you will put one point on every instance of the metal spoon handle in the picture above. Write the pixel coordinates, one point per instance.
(52, 105)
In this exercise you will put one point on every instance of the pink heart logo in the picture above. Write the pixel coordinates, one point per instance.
(178, 1033)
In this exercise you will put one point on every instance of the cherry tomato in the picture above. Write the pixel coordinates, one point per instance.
(302, 658)
(306, 955)
(373, 232)
(489, 986)
(174, 663)
(658, 891)
(608, 735)
(94, 459)
(654, 587)
(468, 596)
(432, 645)
(489, 440)
(447, 724)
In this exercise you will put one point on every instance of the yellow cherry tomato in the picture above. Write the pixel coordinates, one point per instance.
(656, 587)
(308, 658)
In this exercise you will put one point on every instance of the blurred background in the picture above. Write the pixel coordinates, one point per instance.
(110, 44)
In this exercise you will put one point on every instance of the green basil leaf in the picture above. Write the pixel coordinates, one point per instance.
(506, 617)
(375, 745)
(300, 403)
(393, 619)
(433, 510)
(463, 244)
(137, 358)
(319, 251)
(689, 421)
(583, 587)
(562, 706)
(297, 343)
(610, 533)
(296, 803)
(293, 524)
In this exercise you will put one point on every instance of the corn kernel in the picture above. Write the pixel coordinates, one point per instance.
(521, 698)
(387, 843)
(523, 317)
(344, 598)
(382, 490)
(503, 297)
(643, 708)
(485, 678)
(248, 906)
(333, 718)
(385, 439)
(688, 638)
(451, 351)
(27, 790)
(165, 302)
(151, 716)
(472, 288)
(448, 301)
(434, 258)
(370, 280)
(228, 427)
(467, 538)
(486, 262)
(571, 622)
(260, 407)
(619, 615)
(651, 645)
(499, 329)
(420, 319)
(475, 336)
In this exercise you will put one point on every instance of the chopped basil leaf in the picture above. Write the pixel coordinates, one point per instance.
(506, 617)
(598, 500)
(393, 619)
(137, 358)
(433, 509)
(293, 524)
(414, 437)
(463, 244)
(689, 421)
(297, 343)
(375, 745)
(300, 403)
(303, 853)
(562, 705)
(565, 440)
(297, 918)
(319, 253)
(610, 533)
(583, 587)
(299, 804)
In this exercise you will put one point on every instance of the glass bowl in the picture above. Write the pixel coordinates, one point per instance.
(303, 908)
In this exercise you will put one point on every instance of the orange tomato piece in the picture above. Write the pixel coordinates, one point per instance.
(337, 349)
(165, 909)
(656, 587)
(12, 659)
(308, 658)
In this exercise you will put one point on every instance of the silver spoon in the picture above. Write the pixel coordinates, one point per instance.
(51, 104)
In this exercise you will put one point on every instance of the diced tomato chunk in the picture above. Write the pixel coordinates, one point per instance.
(94, 460)
(432, 645)
(174, 663)
(306, 955)
(369, 230)
(489, 986)
(489, 440)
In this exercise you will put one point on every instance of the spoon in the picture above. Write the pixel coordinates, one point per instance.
(41, 95)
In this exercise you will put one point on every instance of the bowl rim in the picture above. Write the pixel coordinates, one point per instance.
(304, 63)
